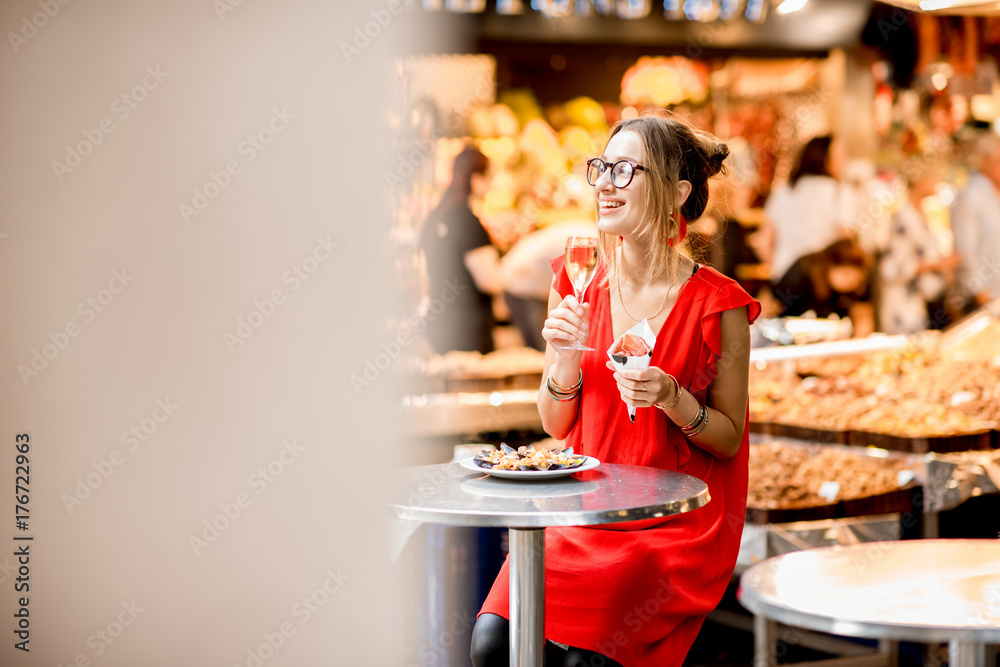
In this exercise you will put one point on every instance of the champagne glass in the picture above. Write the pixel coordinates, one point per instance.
(581, 264)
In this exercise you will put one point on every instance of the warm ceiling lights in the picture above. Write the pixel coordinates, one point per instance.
(789, 6)
(958, 7)
(936, 5)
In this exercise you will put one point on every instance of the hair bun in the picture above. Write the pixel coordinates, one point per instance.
(716, 153)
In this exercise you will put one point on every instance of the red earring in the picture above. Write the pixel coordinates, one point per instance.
(682, 232)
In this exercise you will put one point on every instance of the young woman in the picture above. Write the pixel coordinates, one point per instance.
(637, 594)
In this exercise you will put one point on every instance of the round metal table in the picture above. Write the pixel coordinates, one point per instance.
(450, 494)
(921, 590)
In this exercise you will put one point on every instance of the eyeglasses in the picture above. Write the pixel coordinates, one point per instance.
(621, 171)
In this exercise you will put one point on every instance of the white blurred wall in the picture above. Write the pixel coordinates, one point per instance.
(160, 334)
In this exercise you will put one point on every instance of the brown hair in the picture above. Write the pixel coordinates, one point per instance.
(814, 160)
(470, 161)
(674, 152)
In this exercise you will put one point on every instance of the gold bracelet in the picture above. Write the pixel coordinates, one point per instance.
(690, 424)
(677, 394)
(701, 426)
(559, 389)
(560, 393)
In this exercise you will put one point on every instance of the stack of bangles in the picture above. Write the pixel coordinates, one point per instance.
(696, 425)
(700, 420)
(561, 393)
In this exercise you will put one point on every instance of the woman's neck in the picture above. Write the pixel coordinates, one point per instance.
(633, 260)
(634, 257)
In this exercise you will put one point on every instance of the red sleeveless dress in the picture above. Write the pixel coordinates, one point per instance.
(634, 593)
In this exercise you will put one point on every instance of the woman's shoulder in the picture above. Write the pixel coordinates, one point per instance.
(711, 278)
(719, 292)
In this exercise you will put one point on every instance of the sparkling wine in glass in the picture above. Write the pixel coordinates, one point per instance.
(581, 264)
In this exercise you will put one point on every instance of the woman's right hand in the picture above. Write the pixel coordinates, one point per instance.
(567, 322)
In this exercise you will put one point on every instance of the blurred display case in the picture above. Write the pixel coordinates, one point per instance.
(931, 392)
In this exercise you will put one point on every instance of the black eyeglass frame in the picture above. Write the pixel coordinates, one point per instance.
(611, 166)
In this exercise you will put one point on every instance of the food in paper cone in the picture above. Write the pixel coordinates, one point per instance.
(631, 345)
(633, 350)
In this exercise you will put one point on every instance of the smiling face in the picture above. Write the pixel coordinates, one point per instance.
(677, 162)
(622, 211)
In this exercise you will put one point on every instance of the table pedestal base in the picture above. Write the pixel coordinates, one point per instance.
(966, 654)
(527, 597)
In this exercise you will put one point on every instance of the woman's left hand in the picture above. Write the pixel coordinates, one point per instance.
(643, 388)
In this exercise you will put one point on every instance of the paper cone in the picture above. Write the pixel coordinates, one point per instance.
(621, 361)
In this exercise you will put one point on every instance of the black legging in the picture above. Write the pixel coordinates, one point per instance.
(491, 648)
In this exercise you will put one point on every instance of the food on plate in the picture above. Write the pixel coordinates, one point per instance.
(529, 458)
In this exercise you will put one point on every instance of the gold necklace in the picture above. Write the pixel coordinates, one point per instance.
(618, 280)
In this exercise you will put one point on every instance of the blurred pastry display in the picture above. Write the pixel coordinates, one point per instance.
(507, 368)
(784, 476)
(913, 392)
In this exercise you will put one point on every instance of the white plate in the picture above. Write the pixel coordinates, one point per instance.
(525, 475)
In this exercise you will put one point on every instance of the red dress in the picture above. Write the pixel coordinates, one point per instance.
(634, 593)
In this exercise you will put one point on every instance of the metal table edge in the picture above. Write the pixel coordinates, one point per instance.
(474, 518)
(753, 602)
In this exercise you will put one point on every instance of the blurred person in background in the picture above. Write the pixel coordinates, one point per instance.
(913, 270)
(721, 240)
(526, 271)
(975, 223)
(463, 266)
(811, 212)
(834, 281)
